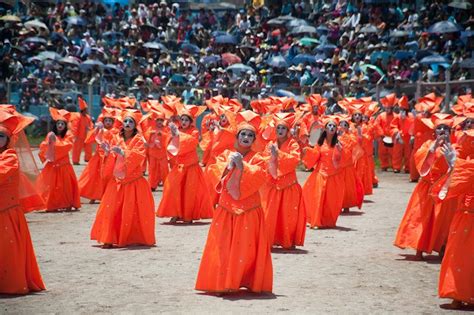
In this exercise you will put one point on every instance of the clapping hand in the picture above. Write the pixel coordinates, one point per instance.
(174, 129)
(449, 153)
(118, 150)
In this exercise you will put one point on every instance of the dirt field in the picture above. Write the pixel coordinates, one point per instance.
(351, 269)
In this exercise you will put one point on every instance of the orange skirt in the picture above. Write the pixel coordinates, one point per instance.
(323, 197)
(158, 170)
(60, 187)
(126, 215)
(185, 194)
(456, 279)
(19, 270)
(237, 254)
(285, 216)
(90, 182)
(425, 225)
(353, 189)
(364, 172)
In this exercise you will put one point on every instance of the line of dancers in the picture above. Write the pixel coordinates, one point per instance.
(246, 178)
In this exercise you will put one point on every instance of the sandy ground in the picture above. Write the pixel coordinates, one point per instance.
(351, 269)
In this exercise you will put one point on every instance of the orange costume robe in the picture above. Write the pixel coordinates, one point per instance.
(126, 212)
(364, 164)
(425, 225)
(422, 134)
(383, 125)
(323, 191)
(93, 180)
(57, 179)
(19, 270)
(80, 125)
(285, 215)
(222, 139)
(402, 151)
(185, 193)
(456, 279)
(158, 166)
(353, 187)
(237, 253)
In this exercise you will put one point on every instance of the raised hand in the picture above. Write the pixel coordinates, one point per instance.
(174, 129)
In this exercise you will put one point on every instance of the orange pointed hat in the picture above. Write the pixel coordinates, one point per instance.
(133, 113)
(403, 102)
(59, 114)
(82, 103)
(192, 111)
(248, 119)
(12, 123)
(389, 101)
(438, 119)
(285, 119)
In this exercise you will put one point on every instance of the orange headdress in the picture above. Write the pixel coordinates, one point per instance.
(403, 102)
(13, 123)
(438, 119)
(389, 101)
(248, 120)
(59, 114)
(82, 103)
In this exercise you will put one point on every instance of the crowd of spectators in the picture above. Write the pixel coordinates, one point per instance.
(341, 47)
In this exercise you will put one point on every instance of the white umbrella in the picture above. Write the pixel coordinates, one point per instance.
(36, 24)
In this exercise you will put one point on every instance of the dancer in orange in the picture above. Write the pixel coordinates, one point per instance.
(403, 126)
(185, 195)
(126, 213)
(81, 123)
(353, 187)
(457, 270)
(157, 137)
(57, 179)
(19, 270)
(285, 215)
(426, 222)
(237, 253)
(93, 180)
(383, 125)
(323, 191)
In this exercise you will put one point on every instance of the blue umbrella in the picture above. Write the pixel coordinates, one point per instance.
(89, 64)
(433, 59)
(226, 39)
(380, 54)
(413, 45)
(59, 37)
(218, 33)
(402, 55)
(284, 93)
(295, 23)
(326, 48)
(303, 58)
(76, 20)
(213, 59)
(178, 78)
(277, 62)
(155, 45)
(113, 70)
(304, 29)
(420, 54)
(239, 68)
(444, 27)
(322, 29)
(190, 48)
(35, 40)
(467, 63)
(112, 34)
(51, 55)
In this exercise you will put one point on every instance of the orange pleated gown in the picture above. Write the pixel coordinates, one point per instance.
(353, 187)
(425, 224)
(80, 125)
(323, 191)
(185, 194)
(126, 213)
(364, 165)
(237, 253)
(92, 182)
(19, 270)
(57, 181)
(456, 279)
(285, 214)
(158, 165)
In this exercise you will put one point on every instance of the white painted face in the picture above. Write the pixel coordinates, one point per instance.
(357, 117)
(442, 131)
(3, 140)
(129, 124)
(281, 131)
(160, 123)
(185, 121)
(246, 138)
(331, 128)
(60, 125)
(223, 121)
(108, 123)
(344, 125)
